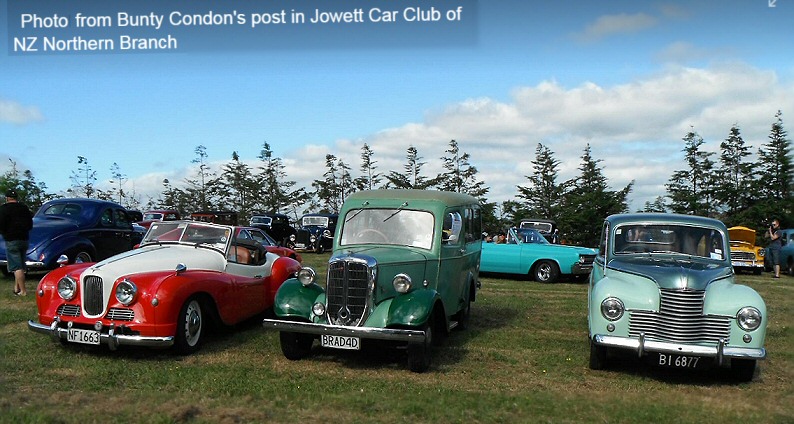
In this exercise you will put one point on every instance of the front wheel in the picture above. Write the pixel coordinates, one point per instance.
(81, 256)
(546, 272)
(189, 327)
(295, 346)
(598, 356)
(419, 353)
(743, 369)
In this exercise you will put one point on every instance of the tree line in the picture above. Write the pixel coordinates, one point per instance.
(730, 187)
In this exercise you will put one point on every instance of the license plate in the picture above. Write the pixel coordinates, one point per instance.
(340, 342)
(83, 336)
(678, 361)
(300, 246)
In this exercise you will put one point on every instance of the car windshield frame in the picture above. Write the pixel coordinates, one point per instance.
(669, 238)
(264, 220)
(388, 227)
(315, 221)
(535, 225)
(191, 233)
(526, 235)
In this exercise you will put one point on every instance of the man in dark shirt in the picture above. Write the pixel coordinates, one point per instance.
(774, 246)
(15, 224)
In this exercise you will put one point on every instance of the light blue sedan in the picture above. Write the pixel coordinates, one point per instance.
(528, 253)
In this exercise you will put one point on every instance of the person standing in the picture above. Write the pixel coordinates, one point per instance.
(774, 246)
(15, 224)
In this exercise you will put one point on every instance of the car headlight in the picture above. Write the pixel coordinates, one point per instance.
(67, 288)
(612, 308)
(292, 237)
(306, 276)
(327, 234)
(761, 252)
(318, 309)
(401, 283)
(126, 292)
(312, 239)
(749, 318)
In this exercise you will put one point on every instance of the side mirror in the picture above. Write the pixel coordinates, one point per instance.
(62, 260)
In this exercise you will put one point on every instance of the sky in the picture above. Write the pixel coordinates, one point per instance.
(629, 78)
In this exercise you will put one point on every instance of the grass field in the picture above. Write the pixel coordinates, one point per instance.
(523, 360)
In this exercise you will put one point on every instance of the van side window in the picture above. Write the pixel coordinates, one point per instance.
(453, 224)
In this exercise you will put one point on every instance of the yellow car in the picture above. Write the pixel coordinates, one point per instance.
(745, 255)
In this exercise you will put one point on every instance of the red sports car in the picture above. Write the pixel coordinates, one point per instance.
(262, 237)
(162, 294)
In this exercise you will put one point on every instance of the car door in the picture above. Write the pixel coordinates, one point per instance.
(452, 270)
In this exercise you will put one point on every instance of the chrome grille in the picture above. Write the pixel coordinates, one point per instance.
(347, 292)
(120, 314)
(743, 256)
(92, 295)
(68, 310)
(680, 319)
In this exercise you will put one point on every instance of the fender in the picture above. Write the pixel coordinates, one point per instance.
(293, 299)
(282, 269)
(412, 309)
(61, 245)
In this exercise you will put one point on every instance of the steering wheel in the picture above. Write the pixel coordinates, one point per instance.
(381, 236)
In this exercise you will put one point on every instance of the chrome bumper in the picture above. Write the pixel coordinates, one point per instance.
(743, 264)
(35, 265)
(643, 346)
(110, 339)
(410, 336)
(578, 268)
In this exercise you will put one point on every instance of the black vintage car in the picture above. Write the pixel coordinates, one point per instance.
(316, 233)
(276, 225)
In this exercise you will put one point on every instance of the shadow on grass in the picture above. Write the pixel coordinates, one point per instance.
(216, 338)
(566, 278)
(708, 375)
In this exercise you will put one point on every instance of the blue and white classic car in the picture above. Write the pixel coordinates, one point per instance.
(663, 288)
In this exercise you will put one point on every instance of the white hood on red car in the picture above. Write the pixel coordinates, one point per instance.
(158, 258)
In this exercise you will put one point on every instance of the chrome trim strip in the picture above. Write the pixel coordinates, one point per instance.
(679, 349)
(110, 339)
(410, 336)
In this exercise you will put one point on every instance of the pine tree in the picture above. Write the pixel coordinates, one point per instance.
(691, 190)
(277, 194)
(30, 192)
(588, 201)
(370, 178)
(543, 195)
(83, 179)
(460, 175)
(240, 187)
(328, 191)
(205, 185)
(734, 188)
(775, 165)
(412, 177)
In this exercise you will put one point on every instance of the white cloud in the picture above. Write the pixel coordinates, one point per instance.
(15, 113)
(634, 128)
(608, 25)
